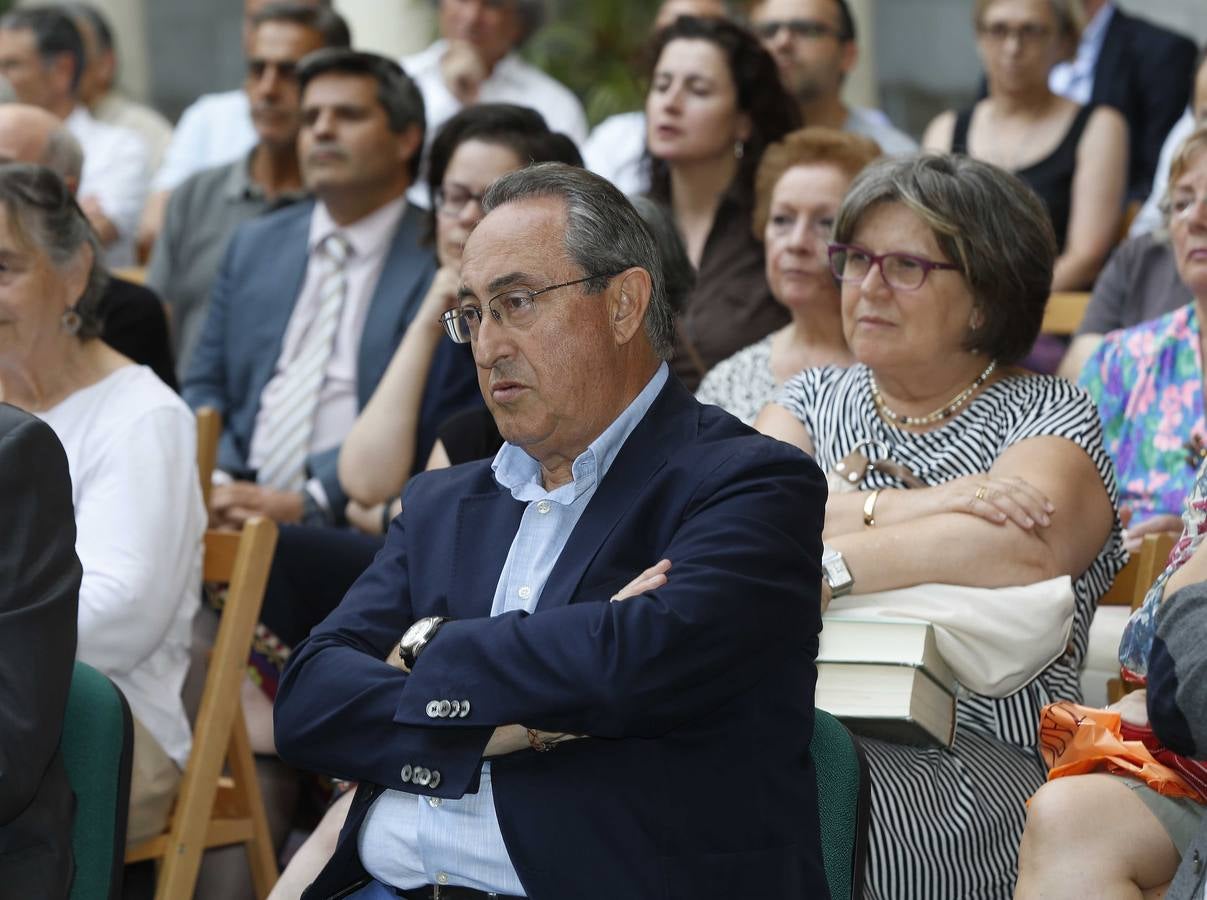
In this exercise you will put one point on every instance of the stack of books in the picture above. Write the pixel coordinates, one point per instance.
(884, 678)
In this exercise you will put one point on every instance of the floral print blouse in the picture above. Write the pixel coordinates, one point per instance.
(1142, 626)
(1147, 382)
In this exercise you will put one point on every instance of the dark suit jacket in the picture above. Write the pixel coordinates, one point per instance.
(254, 296)
(697, 780)
(39, 596)
(136, 326)
(1145, 72)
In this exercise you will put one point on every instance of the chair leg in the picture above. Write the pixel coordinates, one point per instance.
(261, 856)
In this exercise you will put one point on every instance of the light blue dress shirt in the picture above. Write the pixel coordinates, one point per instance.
(408, 841)
(1074, 80)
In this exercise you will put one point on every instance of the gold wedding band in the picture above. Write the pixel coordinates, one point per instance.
(980, 492)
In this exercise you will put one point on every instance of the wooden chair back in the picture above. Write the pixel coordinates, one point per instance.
(213, 809)
(209, 430)
(1064, 312)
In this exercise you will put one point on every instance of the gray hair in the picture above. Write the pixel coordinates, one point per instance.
(63, 154)
(678, 273)
(332, 28)
(604, 233)
(44, 215)
(987, 222)
(532, 14)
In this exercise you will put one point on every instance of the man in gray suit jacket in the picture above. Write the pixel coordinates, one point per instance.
(311, 301)
(39, 594)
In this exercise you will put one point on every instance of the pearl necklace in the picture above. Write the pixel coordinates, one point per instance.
(946, 411)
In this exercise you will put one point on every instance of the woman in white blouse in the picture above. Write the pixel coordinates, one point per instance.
(131, 450)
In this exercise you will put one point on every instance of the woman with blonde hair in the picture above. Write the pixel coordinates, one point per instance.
(798, 188)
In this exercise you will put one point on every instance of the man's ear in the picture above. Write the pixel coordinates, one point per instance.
(848, 58)
(410, 142)
(628, 300)
(61, 70)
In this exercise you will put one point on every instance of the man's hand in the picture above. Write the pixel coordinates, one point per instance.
(463, 71)
(233, 504)
(651, 579)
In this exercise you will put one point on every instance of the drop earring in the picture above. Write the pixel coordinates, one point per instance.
(71, 321)
(739, 149)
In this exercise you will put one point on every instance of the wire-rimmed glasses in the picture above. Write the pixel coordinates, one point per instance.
(514, 308)
(903, 271)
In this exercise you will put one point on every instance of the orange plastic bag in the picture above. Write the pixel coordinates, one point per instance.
(1077, 739)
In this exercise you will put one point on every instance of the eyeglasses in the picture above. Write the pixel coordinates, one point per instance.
(806, 29)
(902, 271)
(511, 309)
(286, 71)
(452, 201)
(1028, 34)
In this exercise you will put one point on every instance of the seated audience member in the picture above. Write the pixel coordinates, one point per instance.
(215, 129)
(814, 44)
(206, 208)
(289, 371)
(1149, 218)
(609, 463)
(1099, 824)
(938, 303)
(39, 597)
(1137, 67)
(1074, 155)
(314, 567)
(1177, 708)
(131, 448)
(132, 318)
(799, 187)
(98, 85)
(475, 61)
(473, 434)
(42, 55)
(1148, 380)
(615, 148)
(715, 102)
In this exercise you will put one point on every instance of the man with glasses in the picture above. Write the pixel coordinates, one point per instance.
(525, 717)
(311, 301)
(206, 209)
(814, 44)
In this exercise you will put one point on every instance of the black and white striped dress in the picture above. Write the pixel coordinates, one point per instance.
(947, 823)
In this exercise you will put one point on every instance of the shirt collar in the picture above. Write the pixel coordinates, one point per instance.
(1093, 36)
(366, 236)
(241, 186)
(516, 471)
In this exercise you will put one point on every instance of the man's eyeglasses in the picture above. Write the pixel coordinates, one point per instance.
(1028, 34)
(286, 71)
(806, 29)
(516, 308)
(902, 271)
(451, 201)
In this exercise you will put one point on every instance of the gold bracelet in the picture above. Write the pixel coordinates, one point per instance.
(869, 508)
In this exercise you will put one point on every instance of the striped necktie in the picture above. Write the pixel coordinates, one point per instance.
(291, 422)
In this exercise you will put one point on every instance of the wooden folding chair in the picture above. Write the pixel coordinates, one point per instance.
(1064, 312)
(209, 430)
(1132, 584)
(213, 809)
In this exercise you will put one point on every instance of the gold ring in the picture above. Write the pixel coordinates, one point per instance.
(980, 492)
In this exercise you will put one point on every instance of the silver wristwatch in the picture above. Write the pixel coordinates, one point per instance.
(834, 570)
(418, 636)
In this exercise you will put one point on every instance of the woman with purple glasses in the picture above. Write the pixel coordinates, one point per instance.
(981, 474)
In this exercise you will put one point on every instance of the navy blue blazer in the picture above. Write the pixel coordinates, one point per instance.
(1145, 72)
(696, 781)
(39, 599)
(253, 297)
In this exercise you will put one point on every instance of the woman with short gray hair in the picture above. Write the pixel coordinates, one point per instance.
(131, 450)
(966, 470)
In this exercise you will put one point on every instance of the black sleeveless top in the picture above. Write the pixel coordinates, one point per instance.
(1051, 177)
